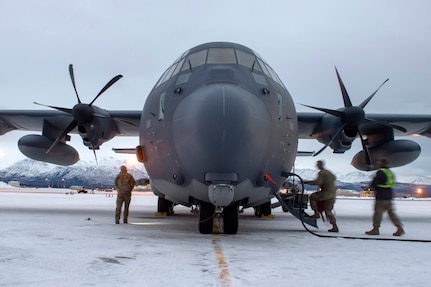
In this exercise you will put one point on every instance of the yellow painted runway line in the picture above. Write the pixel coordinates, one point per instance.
(221, 262)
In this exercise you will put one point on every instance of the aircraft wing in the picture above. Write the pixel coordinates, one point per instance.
(93, 124)
(375, 131)
(126, 122)
(310, 124)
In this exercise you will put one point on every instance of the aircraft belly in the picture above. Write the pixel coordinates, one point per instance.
(199, 191)
(172, 192)
(241, 191)
(246, 190)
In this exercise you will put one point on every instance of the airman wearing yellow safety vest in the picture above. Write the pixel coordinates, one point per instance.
(382, 185)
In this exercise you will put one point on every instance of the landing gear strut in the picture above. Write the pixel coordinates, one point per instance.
(165, 206)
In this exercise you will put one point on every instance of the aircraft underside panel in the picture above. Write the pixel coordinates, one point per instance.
(181, 194)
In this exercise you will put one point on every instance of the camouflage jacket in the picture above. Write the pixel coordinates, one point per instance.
(326, 181)
(124, 182)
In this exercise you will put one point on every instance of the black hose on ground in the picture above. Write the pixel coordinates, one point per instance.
(302, 212)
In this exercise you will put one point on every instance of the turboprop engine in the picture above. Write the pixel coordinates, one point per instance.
(36, 147)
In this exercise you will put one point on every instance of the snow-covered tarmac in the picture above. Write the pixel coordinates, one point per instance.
(54, 239)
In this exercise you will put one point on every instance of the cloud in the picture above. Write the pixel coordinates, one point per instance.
(368, 41)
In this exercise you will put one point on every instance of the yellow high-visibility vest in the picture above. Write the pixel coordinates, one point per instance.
(390, 182)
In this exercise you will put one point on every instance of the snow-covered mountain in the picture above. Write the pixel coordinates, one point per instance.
(364, 176)
(90, 174)
(352, 177)
(34, 173)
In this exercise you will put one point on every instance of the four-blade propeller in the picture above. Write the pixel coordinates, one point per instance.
(352, 117)
(82, 114)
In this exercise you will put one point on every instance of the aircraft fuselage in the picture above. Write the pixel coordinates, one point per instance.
(219, 127)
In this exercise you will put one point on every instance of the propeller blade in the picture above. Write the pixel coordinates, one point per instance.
(328, 111)
(331, 141)
(346, 98)
(94, 152)
(366, 151)
(72, 77)
(365, 102)
(66, 110)
(397, 127)
(109, 84)
(70, 127)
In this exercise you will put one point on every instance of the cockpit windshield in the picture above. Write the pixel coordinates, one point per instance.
(221, 56)
(189, 61)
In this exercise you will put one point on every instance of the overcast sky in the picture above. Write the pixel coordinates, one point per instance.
(368, 41)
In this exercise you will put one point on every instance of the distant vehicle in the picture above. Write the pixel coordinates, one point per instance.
(143, 181)
(14, 183)
(79, 189)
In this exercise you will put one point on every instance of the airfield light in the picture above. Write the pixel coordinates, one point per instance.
(419, 191)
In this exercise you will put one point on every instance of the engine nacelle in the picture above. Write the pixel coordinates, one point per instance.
(343, 142)
(35, 147)
(398, 152)
(99, 131)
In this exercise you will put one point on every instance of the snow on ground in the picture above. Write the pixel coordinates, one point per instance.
(50, 238)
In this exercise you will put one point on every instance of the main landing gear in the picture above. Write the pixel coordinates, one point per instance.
(165, 207)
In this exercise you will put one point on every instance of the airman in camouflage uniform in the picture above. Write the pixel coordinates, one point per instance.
(124, 183)
(327, 193)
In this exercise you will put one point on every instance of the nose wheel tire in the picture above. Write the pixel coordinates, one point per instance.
(230, 218)
(206, 216)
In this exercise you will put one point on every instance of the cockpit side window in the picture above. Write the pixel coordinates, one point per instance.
(248, 60)
(194, 60)
(178, 67)
(169, 73)
(274, 75)
(269, 72)
(265, 70)
(221, 56)
(163, 77)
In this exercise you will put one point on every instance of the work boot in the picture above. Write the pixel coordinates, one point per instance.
(315, 215)
(400, 231)
(374, 231)
(334, 228)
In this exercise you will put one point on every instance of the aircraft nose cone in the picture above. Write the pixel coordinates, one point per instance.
(221, 128)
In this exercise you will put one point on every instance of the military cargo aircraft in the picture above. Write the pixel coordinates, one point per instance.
(219, 130)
